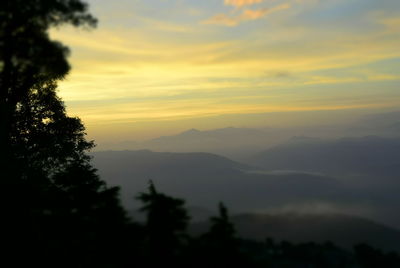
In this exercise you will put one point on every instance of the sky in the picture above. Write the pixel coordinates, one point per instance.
(158, 67)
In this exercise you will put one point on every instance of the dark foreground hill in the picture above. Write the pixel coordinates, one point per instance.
(342, 230)
(205, 179)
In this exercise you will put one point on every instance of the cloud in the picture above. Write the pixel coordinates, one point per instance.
(280, 7)
(331, 80)
(241, 3)
(392, 24)
(246, 15)
(306, 1)
(249, 14)
(222, 19)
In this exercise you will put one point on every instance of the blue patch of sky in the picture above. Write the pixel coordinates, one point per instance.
(344, 15)
(388, 66)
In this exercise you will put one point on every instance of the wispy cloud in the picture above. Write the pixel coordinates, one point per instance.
(331, 80)
(241, 3)
(245, 15)
(250, 14)
(155, 65)
(222, 19)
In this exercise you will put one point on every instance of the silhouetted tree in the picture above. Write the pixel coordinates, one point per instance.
(219, 246)
(165, 226)
(222, 231)
(369, 257)
(28, 58)
(69, 207)
(56, 212)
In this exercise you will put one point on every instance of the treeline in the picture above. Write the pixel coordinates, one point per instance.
(165, 242)
(57, 212)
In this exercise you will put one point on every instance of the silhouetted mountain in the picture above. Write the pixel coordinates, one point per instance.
(241, 143)
(169, 164)
(371, 156)
(343, 230)
(180, 174)
(231, 141)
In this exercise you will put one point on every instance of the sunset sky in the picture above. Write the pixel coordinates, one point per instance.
(157, 67)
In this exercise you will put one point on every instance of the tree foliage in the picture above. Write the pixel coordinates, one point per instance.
(44, 138)
(54, 205)
(222, 230)
(166, 223)
(29, 59)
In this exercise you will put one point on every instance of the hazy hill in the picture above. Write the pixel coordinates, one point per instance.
(385, 124)
(371, 156)
(205, 179)
(341, 229)
(240, 143)
(231, 141)
(180, 174)
(148, 163)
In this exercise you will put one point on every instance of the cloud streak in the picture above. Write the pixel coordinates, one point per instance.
(168, 67)
(246, 15)
(241, 3)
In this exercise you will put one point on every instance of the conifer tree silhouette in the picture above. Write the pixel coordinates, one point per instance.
(166, 223)
(219, 244)
(222, 230)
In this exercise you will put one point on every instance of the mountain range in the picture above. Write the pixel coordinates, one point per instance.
(358, 156)
(241, 143)
(294, 185)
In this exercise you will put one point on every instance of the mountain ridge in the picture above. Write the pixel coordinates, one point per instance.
(341, 229)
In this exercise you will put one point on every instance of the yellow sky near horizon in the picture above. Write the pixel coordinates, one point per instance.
(177, 60)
